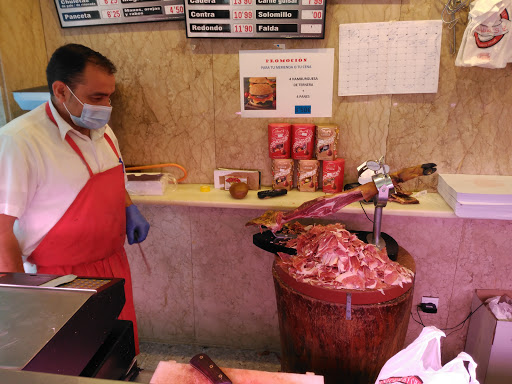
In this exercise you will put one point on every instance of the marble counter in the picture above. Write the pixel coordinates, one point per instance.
(431, 204)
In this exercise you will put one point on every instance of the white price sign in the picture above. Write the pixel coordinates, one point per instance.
(312, 2)
(174, 9)
(111, 14)
(242, 2)
(311, 28)
(312, 15)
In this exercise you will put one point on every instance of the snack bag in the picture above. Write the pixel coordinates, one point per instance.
(307, 175)
(332, 178)
(303, 141)
(326, 141)
(279, 140)
(282, 171)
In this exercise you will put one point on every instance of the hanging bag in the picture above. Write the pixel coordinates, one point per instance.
(420, 363)
(487, 35)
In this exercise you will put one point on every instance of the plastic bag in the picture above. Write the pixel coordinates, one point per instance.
(420, 363)
(487, 36)
(501, 307)
(150, 184)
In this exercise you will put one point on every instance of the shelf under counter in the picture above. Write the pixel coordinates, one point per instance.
(431, 204)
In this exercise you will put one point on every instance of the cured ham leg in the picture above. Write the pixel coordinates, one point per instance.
(325, 205)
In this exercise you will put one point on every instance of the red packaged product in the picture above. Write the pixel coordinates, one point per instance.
(307, 175)
(332, 178)
(303, 141)
(282, 170)
(279, 140)
(326, 141)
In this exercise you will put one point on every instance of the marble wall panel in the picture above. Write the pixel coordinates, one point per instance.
(163, 295)
(163, 107)
(461, 127)
(22, 51)
(234, 300)
(363, 120)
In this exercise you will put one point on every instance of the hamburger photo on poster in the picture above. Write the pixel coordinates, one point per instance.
(259, 93)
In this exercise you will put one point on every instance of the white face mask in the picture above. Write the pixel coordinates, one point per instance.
(92, 117)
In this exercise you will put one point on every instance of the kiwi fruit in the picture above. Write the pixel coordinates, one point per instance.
(238, 190)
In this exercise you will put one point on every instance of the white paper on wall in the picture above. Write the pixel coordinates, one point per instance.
(390, 57)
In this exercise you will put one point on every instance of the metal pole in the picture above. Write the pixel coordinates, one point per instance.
(385, 186)
(377, 221)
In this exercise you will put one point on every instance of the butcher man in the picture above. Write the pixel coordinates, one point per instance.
(63, 202)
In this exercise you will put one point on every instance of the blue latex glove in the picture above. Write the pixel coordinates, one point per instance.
(137, 227)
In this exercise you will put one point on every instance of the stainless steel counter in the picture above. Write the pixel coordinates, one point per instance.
(29, 318)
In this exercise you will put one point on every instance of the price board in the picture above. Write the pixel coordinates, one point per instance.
(83, 13)
(266, 19)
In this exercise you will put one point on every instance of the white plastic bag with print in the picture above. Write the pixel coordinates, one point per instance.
(420, 363)
(486, 40)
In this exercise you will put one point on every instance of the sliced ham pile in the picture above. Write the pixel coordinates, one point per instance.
(330, 256)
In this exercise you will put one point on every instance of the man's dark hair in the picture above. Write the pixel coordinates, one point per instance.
(68, 63)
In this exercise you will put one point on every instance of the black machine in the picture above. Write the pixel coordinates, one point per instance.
(69, 329)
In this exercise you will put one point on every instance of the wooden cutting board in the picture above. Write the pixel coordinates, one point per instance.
(171, 372)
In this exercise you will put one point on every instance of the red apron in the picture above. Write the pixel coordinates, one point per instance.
(89, 238)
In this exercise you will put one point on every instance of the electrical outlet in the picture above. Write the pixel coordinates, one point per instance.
(430, 299)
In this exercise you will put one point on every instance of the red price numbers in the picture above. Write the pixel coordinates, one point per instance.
(243, 28)
(109, 2)
(242, 14)
(244, 2)
(310, 14)
(112, 14)
(174, 9)
(312, 2)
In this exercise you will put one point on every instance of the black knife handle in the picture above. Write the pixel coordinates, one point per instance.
(209, 369)
(271, 193)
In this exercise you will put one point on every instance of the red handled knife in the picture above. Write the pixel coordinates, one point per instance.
(209, 369)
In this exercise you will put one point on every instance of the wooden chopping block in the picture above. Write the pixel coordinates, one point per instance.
(171, 372)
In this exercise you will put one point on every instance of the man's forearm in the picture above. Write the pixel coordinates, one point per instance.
(10, 253)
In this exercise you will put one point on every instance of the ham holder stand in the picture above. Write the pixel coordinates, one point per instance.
(385, 186)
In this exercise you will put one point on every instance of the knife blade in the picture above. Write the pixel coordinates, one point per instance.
(209, 369)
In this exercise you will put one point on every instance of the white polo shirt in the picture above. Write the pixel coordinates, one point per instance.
(41, 175)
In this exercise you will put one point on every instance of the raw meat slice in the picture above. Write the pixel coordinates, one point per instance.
(331, 257)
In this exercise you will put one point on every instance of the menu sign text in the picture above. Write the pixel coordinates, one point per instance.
(83, 13)
(267, 19)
